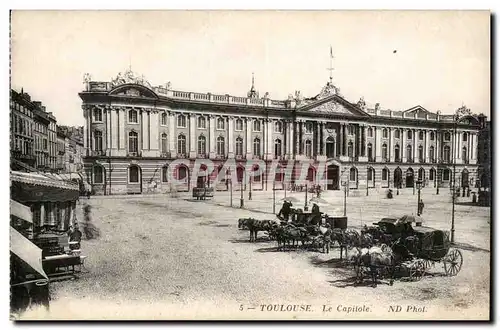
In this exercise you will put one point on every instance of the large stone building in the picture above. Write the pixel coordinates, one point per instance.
(133, 131)
(21, 130)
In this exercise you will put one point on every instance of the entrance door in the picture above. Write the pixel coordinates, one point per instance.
(332, 176)
(409, 178)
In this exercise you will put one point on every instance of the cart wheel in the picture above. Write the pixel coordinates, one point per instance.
(453, 262)
(417, 270)
(428, 264)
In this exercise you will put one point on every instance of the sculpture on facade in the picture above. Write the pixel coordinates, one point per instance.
(362, 103)
(128, 77)
(328, 90)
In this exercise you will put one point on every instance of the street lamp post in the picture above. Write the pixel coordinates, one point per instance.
(274, 196)
(345, 197)
(230, 191)
(250, 189)
(455, 119)
(242, 203)
(367, 171)
(305, 204)
(419, 186)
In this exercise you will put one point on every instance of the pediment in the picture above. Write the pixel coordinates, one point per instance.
(419, 110)
(133, 90)
(333, 105)
(468, 120)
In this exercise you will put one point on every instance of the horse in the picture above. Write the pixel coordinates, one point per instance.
(376, 259)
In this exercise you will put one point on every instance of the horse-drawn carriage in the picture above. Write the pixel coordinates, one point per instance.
(408, 250)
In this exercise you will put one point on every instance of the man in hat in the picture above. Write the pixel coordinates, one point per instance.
(75, 237)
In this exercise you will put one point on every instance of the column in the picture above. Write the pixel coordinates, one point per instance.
(107, 114)
(378, 144)
(154, 142)
(415, 146)
(391, 145)
(42, 214)
(438, 146)
(172, 134)
(297, 138)
(323, 141)
(144, 130)
(85, 128)
(359, 135)
(474, 147)
(403, 146)
(231, 141)
(192, 135)
(342, 139)
(365, 142)
(121, 130)
(249, 142)
(426, 145)
(211, 141)
(301, 137)
(114, 129)
(269, 141)
(292, 139)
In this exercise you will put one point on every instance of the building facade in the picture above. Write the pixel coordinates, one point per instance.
(134, 131)
(21, 129)
(484, 152)
(70, 149)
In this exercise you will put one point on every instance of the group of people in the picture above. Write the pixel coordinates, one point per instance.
(286, 210)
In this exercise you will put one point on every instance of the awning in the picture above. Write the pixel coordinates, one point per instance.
(31, 187)
(26, 251)
(20, 211)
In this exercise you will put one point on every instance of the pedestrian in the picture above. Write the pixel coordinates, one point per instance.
(74, 237)
(420, 207)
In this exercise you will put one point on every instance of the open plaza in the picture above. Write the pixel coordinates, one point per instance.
(168, 256)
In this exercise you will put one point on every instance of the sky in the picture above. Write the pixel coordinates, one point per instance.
(439, 60)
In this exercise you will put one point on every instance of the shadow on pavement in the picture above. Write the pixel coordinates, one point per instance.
(469, 247)
(470, 204)
(331, 263)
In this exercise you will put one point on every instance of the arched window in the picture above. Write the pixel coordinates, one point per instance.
(421, 174)
(239, 146)
(446, 174)
(369, 152)
(181, 144)
(221, 123)
(182, 173)
(409, 134)
(464, 153)
(164, 174)
(98, 174)
(385, 135)
(164, 143)
(256, 147)
(396, 134)
(420, 153)
(277, 127)
(397, 156)
(432, 136)
(239, 125)
(308, 148)
(220, 146)
(447, 136)
(256, 125)
(133, 174)
(309, 127)
(384, 152)
(202, 145)
(420, 135)
(181, 121)
(353, 174)
(369, 132)
(464, 137)
(133, 144)
(431, 174)
(370, 177)
(431, 154)
(164, 118)
(97, 114)
(277, 148)
(97, 140)
(350, 149)
(330, 147)
(446, 154)
(202, 122)
(409, 155)
(133, 117)
(385, 174)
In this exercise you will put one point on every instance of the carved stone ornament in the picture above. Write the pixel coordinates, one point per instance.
(328, 90)
(362, 103)
(128, 77)
(331, 107)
